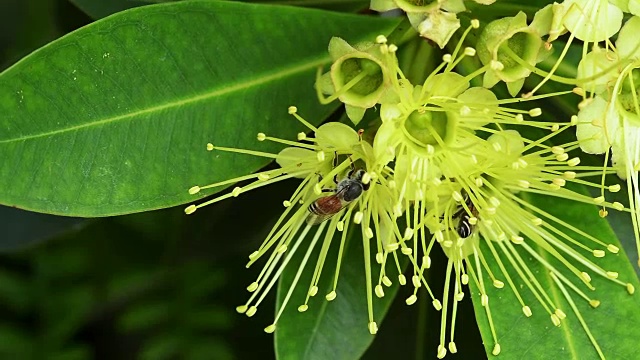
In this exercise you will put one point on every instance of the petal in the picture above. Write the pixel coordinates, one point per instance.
(592, 21)
(597, 126)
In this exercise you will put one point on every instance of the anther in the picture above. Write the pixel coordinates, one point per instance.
(252, 287)
(560, 314)
(464, 279)
(190, 209)
(457, 196)
(379, 257)
(236, 191)
(402, 279)
(452, 347)
(527, 311)
(594, 303)
(292, 110)
(313, 290)
(585, 276)
(559, 181)
(573, 162)
(598, 253)
(303, 308)
(613, 249)
(555, 320)
(614, 188)
(484, 300)
(436, 304)
(517, 240)
(241, 309)
(598, 200)
(618, 206)
(386, 281)
(459, 296)
(331, 296)
(426, 262)
(562, 157)
(381, 39)
(379, 291)
(612, 274)
(408, 233)
(357, 217)
(569, 175)
(475, 23)
(411, 300)
(630, 289)
(535, 112)
(446, 58)
(301, 136)
(270, 329)
(194, 190)
(415, 280)
(406, 251)
(498, 284)
(261, 136)
(368, 233)
(536, 221)
(496, 65)
(442, 352)
(496, 350)
(320, 156)
(469, 51)
(373, 328)
(523, 184)
(557, 150)
(286, 203)
(393, 48)
(210, 147)
(251, 311)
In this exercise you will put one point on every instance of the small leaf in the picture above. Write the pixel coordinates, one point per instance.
(114, 118)
(330, 329)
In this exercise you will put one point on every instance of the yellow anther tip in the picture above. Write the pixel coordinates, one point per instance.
(190, 209)
(270, 329)
(210, 146)
(331, 296)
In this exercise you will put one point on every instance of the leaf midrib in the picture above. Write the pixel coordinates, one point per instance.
(314, 63)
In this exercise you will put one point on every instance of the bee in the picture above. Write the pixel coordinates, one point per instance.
(346, 191)
(464, 227)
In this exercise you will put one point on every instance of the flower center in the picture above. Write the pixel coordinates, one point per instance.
(430, 127)
(356, 66)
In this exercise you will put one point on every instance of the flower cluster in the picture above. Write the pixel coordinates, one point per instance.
(451, 166)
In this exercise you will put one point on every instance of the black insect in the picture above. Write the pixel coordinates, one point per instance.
(347, 190)
(464, 227)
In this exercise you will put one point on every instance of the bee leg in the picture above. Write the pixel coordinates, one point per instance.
(329, 190)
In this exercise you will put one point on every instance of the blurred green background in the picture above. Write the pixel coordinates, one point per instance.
(157, 285)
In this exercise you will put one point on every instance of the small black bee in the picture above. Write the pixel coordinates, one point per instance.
(346, 191)
(464, 227)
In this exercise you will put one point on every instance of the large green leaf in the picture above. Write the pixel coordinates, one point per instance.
(114, 117)
(330, 329)
(536, 337)
(99, 8)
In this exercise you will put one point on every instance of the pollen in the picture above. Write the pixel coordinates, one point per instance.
(373, 328)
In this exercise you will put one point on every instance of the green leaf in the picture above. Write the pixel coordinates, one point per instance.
(536, 337)
(114, 117)
(331, 329)
(98, 9)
